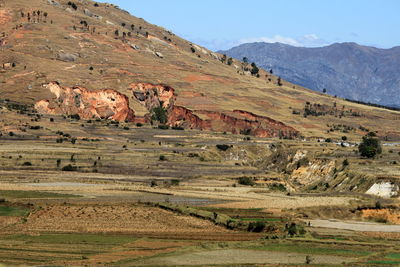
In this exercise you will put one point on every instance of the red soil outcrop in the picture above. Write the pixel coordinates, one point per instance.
(243, 122)
(105, 104)
(183, 117)
(238, 122)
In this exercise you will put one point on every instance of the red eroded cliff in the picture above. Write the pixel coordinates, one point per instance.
(105, 104)
(243, 122)
(237, 121)
(183, 117)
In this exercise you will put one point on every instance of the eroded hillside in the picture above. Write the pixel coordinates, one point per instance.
(102, 48)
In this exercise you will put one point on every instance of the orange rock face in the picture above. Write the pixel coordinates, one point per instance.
(388, 215)
(105, 104)
(153, 96)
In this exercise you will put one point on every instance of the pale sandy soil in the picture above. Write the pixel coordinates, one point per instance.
(356, 226)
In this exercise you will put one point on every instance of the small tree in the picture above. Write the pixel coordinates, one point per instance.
(223, 59)
(292, 229)
(279, 81)
(254, 69)
(370, 146)
(159, 114)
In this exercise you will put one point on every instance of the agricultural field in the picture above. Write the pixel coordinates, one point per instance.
(130, 197)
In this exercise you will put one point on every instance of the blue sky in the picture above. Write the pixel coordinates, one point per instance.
(221, 24)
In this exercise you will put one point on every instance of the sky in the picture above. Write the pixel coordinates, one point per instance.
(222, 24)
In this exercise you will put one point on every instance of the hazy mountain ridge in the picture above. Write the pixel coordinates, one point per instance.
(347, 70)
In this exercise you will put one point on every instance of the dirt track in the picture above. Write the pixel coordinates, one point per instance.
(356, 226)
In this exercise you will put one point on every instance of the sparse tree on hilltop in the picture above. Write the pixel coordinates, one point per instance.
(254, 69)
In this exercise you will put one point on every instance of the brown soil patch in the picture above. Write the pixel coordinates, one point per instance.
(190, 94)
(4, 16)
(19, 36)
(391, 216)
(123, 219)
(196, 78)
(7, 220)
(382, 235)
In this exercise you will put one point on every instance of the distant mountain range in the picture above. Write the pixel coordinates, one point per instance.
(347, 70)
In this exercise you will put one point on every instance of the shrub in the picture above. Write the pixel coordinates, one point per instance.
(126, 128)
(292, 229)
(345, 163)
(75, 117)
(139, 124)
(246, 181)
(328, 140)
(277, 187)
(69, 168)
(344, 138)
(254, 69)
(175, 182)
(370, 146)
(256, 227)
(27, 163)
(163, 127)
(159, 114)
(178, 128)
(162, 158)
(223, 147)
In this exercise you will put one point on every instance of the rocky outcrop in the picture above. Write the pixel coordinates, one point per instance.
(104, 104)
(384, 189)
(316, 170)
(237, 121)
(152, 96)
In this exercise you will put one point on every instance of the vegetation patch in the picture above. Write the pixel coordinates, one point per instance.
(81, 238)
(13, 211)
(32, 194)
